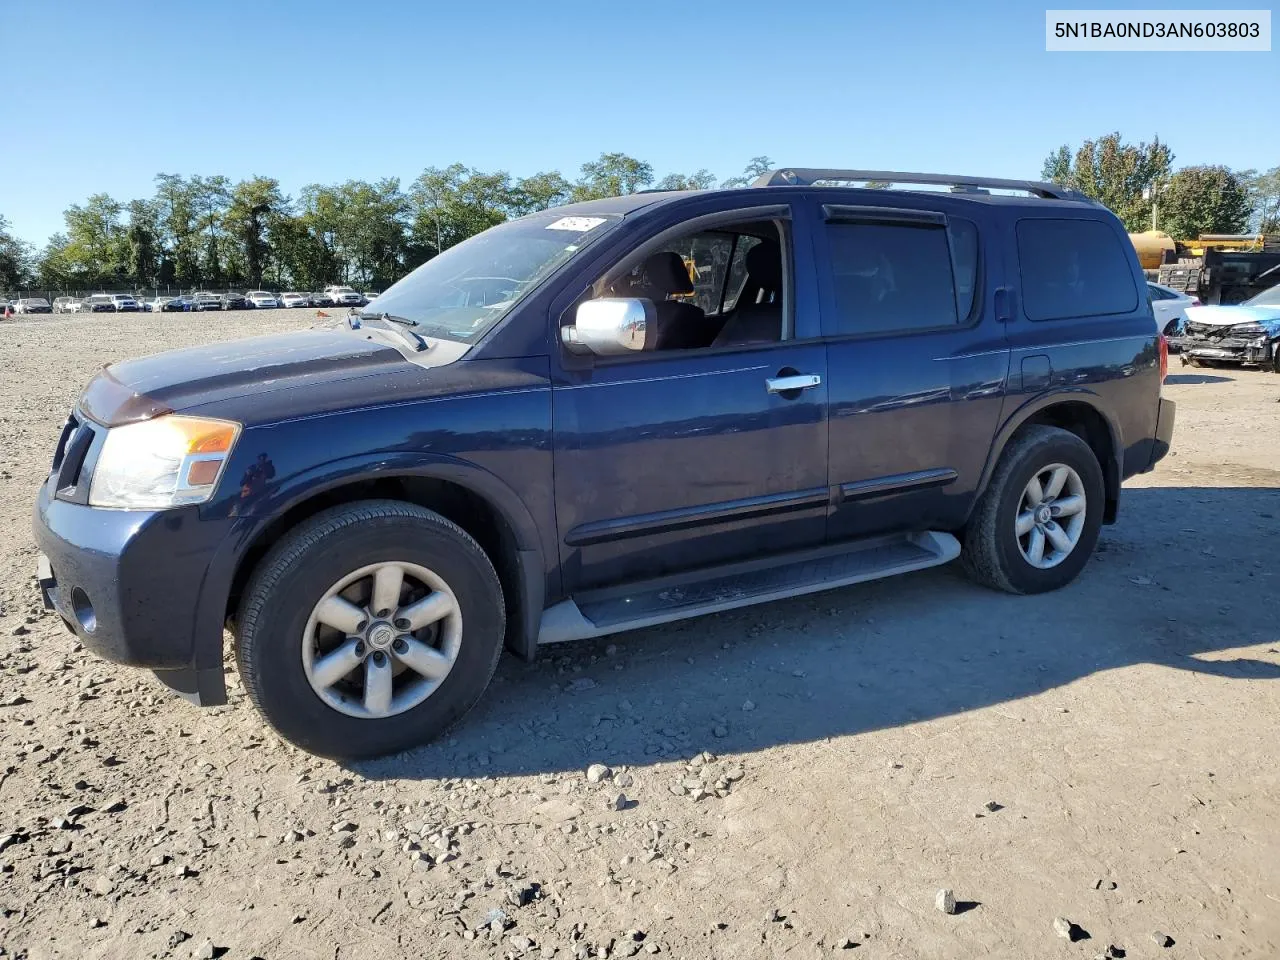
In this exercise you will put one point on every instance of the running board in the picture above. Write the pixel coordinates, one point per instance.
(652, 602)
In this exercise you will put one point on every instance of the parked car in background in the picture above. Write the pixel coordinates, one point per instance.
(262, 300)
(98, 303)
(344, 296)
(369, 298)
(235, 301)
(206, 301)
(321, 299)
(125, 303)
(32, 305)
(177, 305)
(1246, 332)
(156, 304)
(66, 304)
(1170, 308)
(295, 300)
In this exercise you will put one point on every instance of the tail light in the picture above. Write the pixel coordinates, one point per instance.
(1164, 357)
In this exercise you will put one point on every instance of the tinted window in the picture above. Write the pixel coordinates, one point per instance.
(902, 277)
(1073, 268)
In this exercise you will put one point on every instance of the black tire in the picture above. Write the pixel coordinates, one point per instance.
(305, 563)
(990, 553)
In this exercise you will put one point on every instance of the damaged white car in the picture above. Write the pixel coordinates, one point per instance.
(1247, 332)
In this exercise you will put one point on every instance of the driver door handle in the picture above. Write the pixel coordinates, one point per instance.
(799, 381)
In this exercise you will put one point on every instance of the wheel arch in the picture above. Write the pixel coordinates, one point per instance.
(473, 498)
(1079, 412)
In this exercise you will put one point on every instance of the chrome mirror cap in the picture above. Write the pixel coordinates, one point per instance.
(611, 327)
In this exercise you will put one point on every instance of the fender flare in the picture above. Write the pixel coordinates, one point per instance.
(300, 487)
(1111, 472)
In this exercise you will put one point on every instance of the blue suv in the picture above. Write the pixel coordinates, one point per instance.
(608, 416)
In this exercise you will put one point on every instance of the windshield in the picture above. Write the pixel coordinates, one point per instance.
(463, 292)
(1267, 298)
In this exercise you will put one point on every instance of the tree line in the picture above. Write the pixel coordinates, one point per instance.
(1137, 182)
(203, 231)
(208, 231)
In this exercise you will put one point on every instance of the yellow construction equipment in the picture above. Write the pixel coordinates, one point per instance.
(1151, 246)
(1216, 267)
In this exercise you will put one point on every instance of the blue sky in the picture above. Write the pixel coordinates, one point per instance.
(102, 96)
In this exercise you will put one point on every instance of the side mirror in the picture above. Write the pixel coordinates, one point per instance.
(610, 327)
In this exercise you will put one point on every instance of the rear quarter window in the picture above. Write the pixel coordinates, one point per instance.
(1073, 268)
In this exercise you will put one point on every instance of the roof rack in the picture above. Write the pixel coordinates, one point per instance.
(807, 177)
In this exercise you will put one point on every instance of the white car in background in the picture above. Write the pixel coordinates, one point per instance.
(1170, 308)
(344, 296)
(125, 303)
(295, 300)
(262, 300)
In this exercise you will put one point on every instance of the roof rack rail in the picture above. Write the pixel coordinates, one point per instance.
(807, 177)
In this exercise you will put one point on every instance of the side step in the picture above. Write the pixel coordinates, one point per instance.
(678, 597)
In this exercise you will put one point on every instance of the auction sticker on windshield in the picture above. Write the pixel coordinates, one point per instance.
(576, 224)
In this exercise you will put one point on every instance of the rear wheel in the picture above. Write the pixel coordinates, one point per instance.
(370, 629)
(1037, 523)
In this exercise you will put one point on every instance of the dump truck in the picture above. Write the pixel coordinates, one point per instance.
(1218, 268)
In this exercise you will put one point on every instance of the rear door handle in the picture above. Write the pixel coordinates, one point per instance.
(799, 381)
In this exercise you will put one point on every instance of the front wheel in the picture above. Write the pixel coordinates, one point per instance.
(369, 629)
(1037, 523)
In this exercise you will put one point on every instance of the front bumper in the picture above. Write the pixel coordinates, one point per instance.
(1226, 350)
(129, 585)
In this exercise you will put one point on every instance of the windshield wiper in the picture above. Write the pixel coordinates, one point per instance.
(418, 339)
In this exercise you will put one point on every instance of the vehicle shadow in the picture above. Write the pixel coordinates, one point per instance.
(1194, 378)
(1178, 580)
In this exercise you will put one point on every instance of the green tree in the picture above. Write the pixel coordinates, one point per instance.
(53, 270)
(142, 237)
(15, 260)
(446, 206)
(612, 175)
(540, 192)
(1115, 173)
(179, 232)
(210, 197)
(97, 249)
(756, 168)
(1264, 199)
(370, 237)
(251, 208)
(702, 180)
(1204, 199)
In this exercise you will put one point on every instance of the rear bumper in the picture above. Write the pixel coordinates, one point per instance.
(129, 585)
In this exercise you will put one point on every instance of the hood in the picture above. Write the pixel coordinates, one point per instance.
(182, 379)
(1226, 316)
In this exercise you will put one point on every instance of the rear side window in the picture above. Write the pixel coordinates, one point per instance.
(1073, 268)
(892, 276)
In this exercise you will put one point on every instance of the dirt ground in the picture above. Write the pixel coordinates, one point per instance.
(803, 777)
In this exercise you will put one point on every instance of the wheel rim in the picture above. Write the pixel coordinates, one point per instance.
(1051, 515)
(382, 639)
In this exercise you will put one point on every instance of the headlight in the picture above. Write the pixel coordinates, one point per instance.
(160, 463)
(1248, 329)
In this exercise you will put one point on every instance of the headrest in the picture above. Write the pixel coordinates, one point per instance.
(764, 265)
(666, 272)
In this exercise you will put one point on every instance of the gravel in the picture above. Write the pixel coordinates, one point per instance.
(1116, 722)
